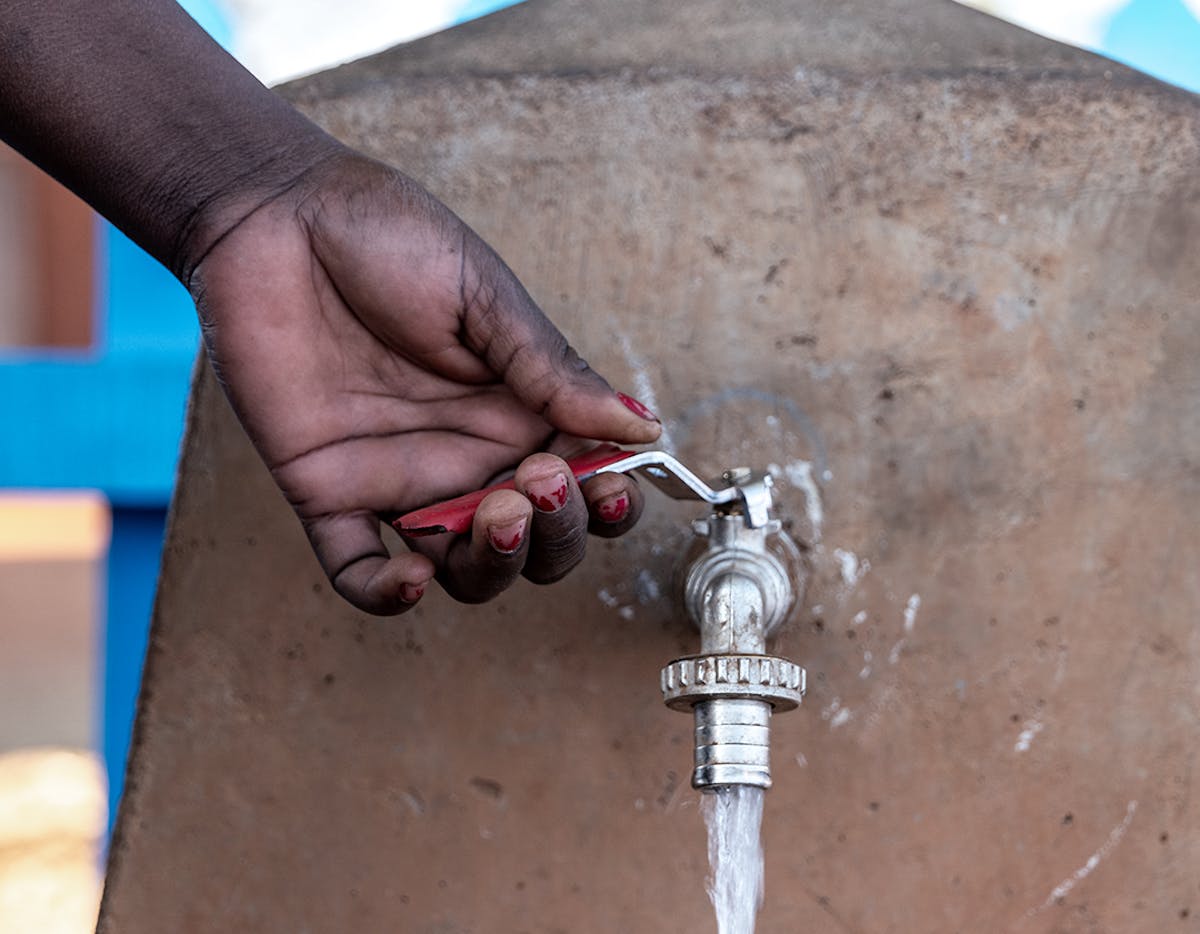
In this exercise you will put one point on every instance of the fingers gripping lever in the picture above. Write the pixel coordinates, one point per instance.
(661, 469)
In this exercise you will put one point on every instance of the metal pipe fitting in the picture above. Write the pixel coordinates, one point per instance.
(737, 592)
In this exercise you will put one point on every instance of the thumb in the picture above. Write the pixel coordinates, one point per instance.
(520, 344)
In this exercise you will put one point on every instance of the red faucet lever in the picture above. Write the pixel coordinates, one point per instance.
(455, 515)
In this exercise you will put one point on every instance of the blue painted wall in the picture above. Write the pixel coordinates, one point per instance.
(110, 418)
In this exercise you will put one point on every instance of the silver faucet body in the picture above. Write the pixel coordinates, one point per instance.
(737, 592)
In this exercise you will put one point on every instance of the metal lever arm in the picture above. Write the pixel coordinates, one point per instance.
(661, 469)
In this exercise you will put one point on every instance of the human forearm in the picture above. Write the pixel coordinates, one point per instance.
(130, 104)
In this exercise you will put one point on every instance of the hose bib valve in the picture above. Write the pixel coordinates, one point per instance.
(737, 591)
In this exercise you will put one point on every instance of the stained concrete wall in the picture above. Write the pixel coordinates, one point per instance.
(944, 275)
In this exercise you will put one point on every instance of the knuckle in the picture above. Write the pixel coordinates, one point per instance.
(558, 556)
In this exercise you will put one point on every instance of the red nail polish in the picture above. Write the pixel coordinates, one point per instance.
(548, 495)
(507, 539)
(637, 408)
(411, 593)
(614, 509)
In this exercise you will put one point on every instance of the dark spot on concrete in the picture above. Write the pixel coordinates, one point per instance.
(887, 394)
(520, 886)
(819, 625)
(442, 883)
(251, 541)
(1050, 621)
(1068, 819)
(719, 250)
(1183, 913)
(1164, 837)
(487, 787)
(329, 678)
(1080, 404)
(851, 634)
(1015, 718)
(874, 805)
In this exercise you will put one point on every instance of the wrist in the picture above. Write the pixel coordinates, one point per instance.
(232, 186)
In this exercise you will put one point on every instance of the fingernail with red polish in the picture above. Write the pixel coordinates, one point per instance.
(411, 593)
(506, 539)
(637, 408)
(548, 495)
(614, 508)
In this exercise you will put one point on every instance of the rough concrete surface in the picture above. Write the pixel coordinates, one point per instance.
(944, 275)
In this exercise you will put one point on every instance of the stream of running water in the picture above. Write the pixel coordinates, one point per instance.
(733, 816)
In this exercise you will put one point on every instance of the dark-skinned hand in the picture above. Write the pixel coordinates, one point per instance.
(382, 357)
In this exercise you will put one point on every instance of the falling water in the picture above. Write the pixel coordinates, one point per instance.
(733, 816)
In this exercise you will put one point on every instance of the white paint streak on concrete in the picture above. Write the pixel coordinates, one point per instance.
(607, 598)
(859, 618)
(1029, 729)
(840, 718)
(626, 613)
(647, 587)
(850, 566)
(894, 654)
(799, 474)
(910, 612)
(801, 760)
(1064, 888)
(831, 709)
(644, 389)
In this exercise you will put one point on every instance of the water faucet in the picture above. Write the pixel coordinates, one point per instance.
(737, 591)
